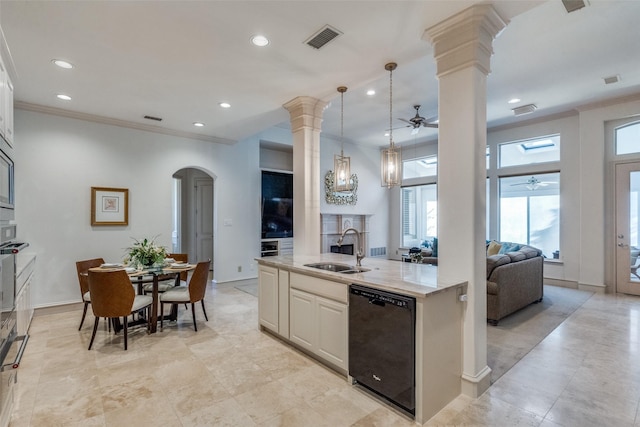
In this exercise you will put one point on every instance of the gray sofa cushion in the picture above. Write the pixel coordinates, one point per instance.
(494, 261)
(530, 251)
(517, 256)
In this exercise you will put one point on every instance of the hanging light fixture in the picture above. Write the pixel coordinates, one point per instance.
(342, 164)
(391, 160)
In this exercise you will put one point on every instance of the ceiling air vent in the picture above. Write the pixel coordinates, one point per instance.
(611, 79)
(525, 109)
(157, 119)
(573, 5)
(322, 37)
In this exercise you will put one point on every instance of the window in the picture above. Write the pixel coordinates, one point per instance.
(526, 152)
(530, 211)
(628, 139)
(418, 168)
(419, 214)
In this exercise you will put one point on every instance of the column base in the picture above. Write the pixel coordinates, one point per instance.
(474, 386)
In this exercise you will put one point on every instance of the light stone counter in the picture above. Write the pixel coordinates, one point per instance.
(416, 280)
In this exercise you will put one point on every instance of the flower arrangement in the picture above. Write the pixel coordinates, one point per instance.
(146, 253)
(416, 257)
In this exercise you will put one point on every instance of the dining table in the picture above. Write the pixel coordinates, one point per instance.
(153, 275)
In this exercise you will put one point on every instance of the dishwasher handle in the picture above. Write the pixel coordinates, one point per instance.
(382, 298)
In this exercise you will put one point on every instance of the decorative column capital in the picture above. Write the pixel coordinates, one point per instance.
(305, 111)
(465, 39)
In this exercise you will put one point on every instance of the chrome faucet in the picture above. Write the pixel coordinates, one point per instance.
(359, 252)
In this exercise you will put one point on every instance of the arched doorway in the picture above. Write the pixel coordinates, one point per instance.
(193, 214)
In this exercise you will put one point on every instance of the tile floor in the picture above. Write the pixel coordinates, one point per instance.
(585, 373)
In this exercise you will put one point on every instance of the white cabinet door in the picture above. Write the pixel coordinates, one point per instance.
(331, 318)
(302, 327)
(3, 107)
(283, 306)
(319, 325)
(268, 297)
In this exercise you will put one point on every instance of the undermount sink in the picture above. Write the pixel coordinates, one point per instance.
(337, 268)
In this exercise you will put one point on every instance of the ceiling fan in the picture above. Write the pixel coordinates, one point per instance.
(534, 183)
(417, 121)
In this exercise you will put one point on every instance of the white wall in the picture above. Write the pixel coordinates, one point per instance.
(59, 159)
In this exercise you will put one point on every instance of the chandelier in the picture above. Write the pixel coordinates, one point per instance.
(342, 163)
(390, 161)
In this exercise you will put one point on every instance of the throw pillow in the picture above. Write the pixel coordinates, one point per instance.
(494, 248)
(434, 247)
(509, 247)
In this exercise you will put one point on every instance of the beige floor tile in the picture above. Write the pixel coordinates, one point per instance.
(229, 373)
(137, 392)
(155, 412)
(302, 415)
(196, 395)
(267, 401)
(384, 417)
(226, 413)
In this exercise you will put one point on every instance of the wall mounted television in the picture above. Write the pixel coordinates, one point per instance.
(277, 204)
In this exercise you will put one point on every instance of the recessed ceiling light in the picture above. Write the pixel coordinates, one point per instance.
(225, 105)
(371, 92)
(198, 124)
(63, 97)
(259, 40)
(62, 64)
(514, 100)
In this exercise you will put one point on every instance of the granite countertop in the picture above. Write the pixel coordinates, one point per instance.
(416, 280)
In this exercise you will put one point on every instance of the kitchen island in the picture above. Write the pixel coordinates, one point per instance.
(309, 308)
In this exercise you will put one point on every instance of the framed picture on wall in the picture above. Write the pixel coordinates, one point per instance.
(109, 206)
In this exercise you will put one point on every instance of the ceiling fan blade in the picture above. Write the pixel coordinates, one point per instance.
(406, 121)
(430, 125)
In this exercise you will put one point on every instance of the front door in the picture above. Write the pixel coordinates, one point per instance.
(627, 222)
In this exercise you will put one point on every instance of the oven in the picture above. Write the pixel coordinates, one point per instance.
(11, 345)
(7, 185)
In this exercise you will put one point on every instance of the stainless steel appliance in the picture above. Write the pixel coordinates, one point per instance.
(7, 186)
(11, 345)
(382, 344)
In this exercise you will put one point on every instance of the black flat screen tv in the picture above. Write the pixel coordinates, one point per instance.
(277, 205)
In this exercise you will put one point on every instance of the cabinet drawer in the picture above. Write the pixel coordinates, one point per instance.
(326, 288)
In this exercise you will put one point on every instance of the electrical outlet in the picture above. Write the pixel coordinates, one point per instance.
(239, 269)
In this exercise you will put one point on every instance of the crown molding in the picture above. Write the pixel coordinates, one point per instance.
(117, 122)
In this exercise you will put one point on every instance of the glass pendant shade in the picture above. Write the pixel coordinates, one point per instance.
(342, 163)
(390, 159)
(342, 168)
(390, 167)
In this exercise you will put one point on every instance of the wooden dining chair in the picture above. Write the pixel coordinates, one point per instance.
(113, 296)
(82, 268)
(192, 293)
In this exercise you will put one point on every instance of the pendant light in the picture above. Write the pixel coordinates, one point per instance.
(390, 160)
(341, 164)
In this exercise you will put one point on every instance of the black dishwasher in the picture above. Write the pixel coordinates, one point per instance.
(382, 344)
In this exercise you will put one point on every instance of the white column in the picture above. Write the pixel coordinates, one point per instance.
(462, 49)
(306, 118)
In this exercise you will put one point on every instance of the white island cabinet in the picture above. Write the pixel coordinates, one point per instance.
(309, 308)
(273, 300)
(318, 318)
